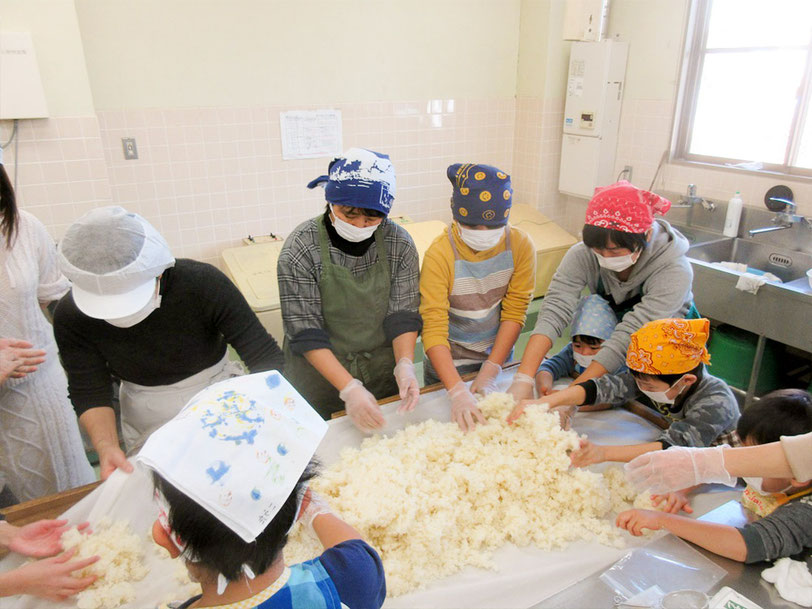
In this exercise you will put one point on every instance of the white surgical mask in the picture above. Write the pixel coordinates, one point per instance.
(660, 396)
(129, 321)
(616, 263)
(349, 231)
(480, 240)
(757, 484)
(582, 360)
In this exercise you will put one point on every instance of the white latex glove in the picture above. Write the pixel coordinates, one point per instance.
(679, 467)
(361, 406)
(522, 387)
(565, 414)
(463, 407)
(408, 386)
(313, 505)
(792, 580)
(485, 381)
(544, 383)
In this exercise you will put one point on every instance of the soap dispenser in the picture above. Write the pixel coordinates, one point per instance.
(734, 214)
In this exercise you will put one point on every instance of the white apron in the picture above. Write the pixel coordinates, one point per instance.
(144, 409)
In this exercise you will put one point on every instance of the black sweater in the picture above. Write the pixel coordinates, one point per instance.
(201, 312)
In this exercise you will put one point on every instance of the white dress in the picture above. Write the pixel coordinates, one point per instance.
(41, 451)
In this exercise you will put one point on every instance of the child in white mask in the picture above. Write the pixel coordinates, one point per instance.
(593, 323)
(475, 285)
(666, 360)
(783, 504)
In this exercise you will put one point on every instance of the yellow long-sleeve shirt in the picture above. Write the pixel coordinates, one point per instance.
(437, 279)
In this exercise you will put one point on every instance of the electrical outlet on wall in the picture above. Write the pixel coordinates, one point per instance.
(130, 149)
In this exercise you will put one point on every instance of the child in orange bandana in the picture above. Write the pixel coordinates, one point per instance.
(666, 360)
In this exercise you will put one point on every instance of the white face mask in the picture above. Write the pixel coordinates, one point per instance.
(136, 318)
(757, 484)
(616, 263)
(660, 396)
(480, 240)
(350, 232)
(582, 360)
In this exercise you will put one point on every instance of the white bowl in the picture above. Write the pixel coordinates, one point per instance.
(809, 277)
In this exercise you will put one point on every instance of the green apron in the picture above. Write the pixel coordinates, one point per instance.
(353, 309)
(627, 305)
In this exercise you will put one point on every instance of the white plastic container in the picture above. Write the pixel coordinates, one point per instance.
(734, 214)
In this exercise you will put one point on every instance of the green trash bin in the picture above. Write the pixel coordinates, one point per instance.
(732, 352)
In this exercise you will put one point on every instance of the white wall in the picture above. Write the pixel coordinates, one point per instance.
(160, 53)
(58, 45)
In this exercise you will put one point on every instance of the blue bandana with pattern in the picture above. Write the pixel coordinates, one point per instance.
(360, 178)
(482, 194)
(594, 317)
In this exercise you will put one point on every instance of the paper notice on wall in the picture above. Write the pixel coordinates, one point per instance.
(310, 134)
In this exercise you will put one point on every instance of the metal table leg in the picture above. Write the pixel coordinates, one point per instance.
(751, 388)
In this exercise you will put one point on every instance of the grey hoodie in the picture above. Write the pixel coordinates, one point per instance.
(662, 275)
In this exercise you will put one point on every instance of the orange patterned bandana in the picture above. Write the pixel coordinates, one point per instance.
(669, 346)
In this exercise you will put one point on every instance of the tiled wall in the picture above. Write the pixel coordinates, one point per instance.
(207, 177)
(62, 172)
(537, 154)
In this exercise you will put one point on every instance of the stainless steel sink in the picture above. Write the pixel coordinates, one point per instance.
(787, 265)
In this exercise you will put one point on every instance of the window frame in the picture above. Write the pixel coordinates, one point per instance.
(690, 79)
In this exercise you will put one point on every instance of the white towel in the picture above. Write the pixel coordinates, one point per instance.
(750, 283)
(792, 579)
(238, 449)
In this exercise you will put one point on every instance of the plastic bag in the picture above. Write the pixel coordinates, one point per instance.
(667, 563)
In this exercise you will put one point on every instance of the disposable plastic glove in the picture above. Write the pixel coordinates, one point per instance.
(544, 383)
(485, 381)
(361, 406)
(313, 505)
(522, 387)
(408, 386)
(678, 467)
(463, 407)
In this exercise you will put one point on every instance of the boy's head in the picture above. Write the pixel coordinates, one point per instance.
(228, 472)
(784, 412)
(666, 356)
(593, 322)
(210, 546)
(481, 197)
(619, 221)
(360, 179)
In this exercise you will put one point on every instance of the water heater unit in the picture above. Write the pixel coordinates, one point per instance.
(592, 116)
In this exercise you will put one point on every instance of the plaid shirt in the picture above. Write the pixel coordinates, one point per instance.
(299, 271)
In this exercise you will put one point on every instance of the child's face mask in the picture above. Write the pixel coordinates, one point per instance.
(481, 240)
(582, 360)
(661, 397)
(617, 263)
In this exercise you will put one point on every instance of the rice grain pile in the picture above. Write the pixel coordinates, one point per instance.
(432, 499)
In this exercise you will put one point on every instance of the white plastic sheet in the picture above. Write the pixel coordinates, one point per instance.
(525, 576)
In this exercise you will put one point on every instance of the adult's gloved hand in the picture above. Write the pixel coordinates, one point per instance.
(678, 467)
(522, 387)
(361, 406)
(485, 381)
(463, 407)
(408, 387)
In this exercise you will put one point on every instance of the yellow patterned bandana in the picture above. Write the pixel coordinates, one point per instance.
(669, 346)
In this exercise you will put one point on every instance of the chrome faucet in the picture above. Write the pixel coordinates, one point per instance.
(783, 219)
(690, 199)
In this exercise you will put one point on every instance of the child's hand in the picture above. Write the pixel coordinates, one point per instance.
(674, 502)
(634, 521)
(544, 383)
(565, 414)
(588, 454)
